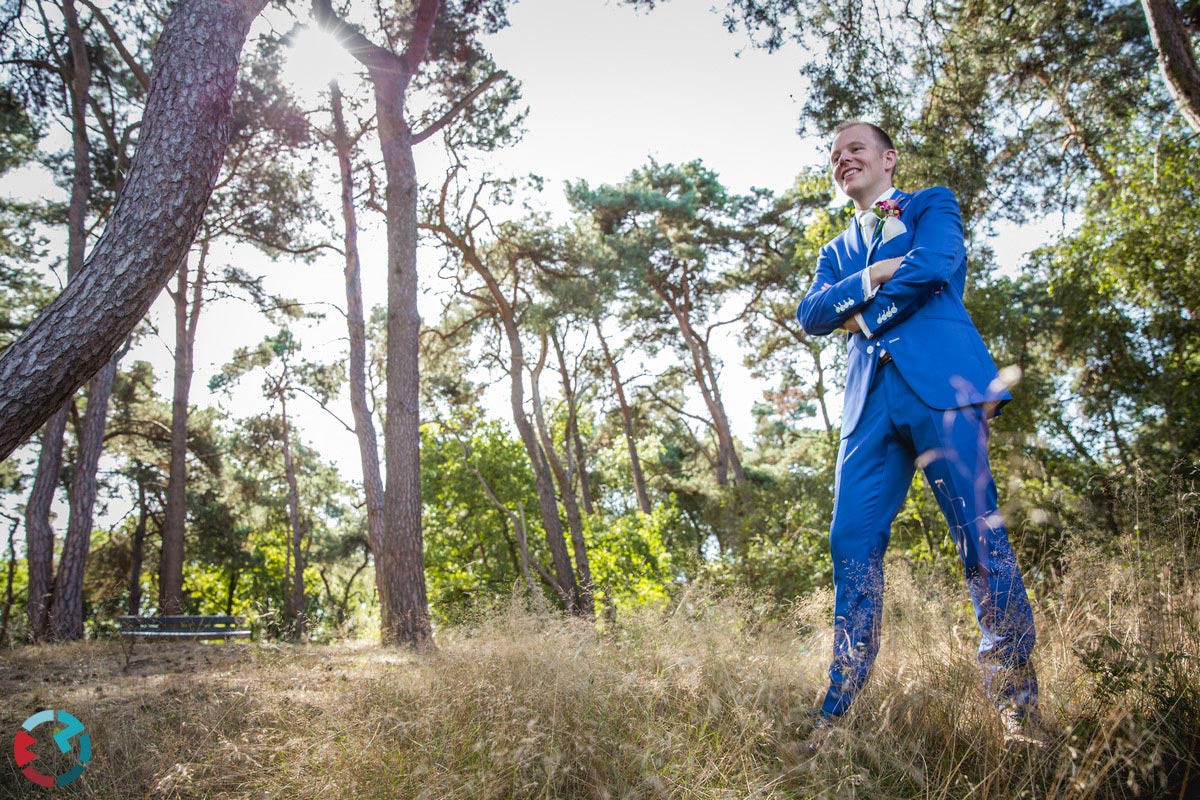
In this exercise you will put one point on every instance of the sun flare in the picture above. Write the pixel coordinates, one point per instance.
(315, 57)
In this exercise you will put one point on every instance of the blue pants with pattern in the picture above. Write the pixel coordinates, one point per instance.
(896, 434)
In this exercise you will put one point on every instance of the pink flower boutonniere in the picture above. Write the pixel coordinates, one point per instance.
(887, 208)
(889, 211)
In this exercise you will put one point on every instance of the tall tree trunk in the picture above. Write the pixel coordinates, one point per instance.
(39, 533)
(1176, 58)
(66, 607)
(402, 559)
(137, 549)
(77, 75)
(294, 605)
(586, 604)
(182, 141)
(170, 567)
(364, 423)
(408, 619)
(635, 463)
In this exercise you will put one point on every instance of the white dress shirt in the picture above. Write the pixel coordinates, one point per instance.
(867, 220)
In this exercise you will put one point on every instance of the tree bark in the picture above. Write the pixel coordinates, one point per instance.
(294, 601)
(409, 622)
(1176, 58)
(586, 603)
(364, 423)
(635, 463)
(39, 533)
(405, 603)
(66, 607)
(184, 135)
(231, 590)
(170, 569)
(137, 549)
(77, 76)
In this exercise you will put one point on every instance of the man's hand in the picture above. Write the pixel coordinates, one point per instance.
(882, 271)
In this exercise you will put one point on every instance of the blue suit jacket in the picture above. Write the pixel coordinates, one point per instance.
(918, 315)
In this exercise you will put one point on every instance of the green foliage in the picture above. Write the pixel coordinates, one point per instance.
(1005, 103)
(240, 535)
(22, 290)
(631, 566)
(1125, 288)
(471, 546)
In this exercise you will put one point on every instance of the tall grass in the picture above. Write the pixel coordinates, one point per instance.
(704, 699)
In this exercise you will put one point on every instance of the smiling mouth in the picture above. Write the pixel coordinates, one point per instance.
(850, 173)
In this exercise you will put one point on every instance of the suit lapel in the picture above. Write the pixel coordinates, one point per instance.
(901, 199)
(856, 248)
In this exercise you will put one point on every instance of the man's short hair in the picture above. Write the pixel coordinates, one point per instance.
(880, 134)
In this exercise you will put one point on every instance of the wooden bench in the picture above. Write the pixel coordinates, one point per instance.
(180, 627)
(184, 627)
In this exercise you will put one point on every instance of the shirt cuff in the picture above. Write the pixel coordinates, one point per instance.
(868, 290)
(862, 325)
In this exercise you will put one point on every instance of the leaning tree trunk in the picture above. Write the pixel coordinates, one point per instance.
(170, 565)
(564, 575)
(66, 607)
(706, 380)
(184, 134)
(364, 423)
(1176, 58)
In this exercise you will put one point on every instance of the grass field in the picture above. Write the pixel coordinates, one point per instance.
(703, 699)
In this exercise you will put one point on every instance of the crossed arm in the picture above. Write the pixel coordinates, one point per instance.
(881, 272)
(837, 302)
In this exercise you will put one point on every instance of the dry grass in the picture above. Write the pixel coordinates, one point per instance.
(702, 700)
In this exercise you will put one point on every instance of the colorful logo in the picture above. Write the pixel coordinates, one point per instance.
(63, 738)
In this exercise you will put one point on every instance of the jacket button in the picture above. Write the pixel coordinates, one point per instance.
(870, 349)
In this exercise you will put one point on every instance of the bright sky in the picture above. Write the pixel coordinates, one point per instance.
(607, 87)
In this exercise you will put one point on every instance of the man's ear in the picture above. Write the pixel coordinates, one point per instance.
(889, 161)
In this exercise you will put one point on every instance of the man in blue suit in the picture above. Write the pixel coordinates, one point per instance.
(920, 390)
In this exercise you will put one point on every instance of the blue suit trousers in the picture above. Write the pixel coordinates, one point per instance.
(896, 434)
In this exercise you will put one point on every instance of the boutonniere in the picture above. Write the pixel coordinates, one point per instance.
(889, 211)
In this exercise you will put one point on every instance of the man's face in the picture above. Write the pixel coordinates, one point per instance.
(861, 164)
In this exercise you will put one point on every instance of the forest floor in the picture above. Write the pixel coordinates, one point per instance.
(705, 699)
